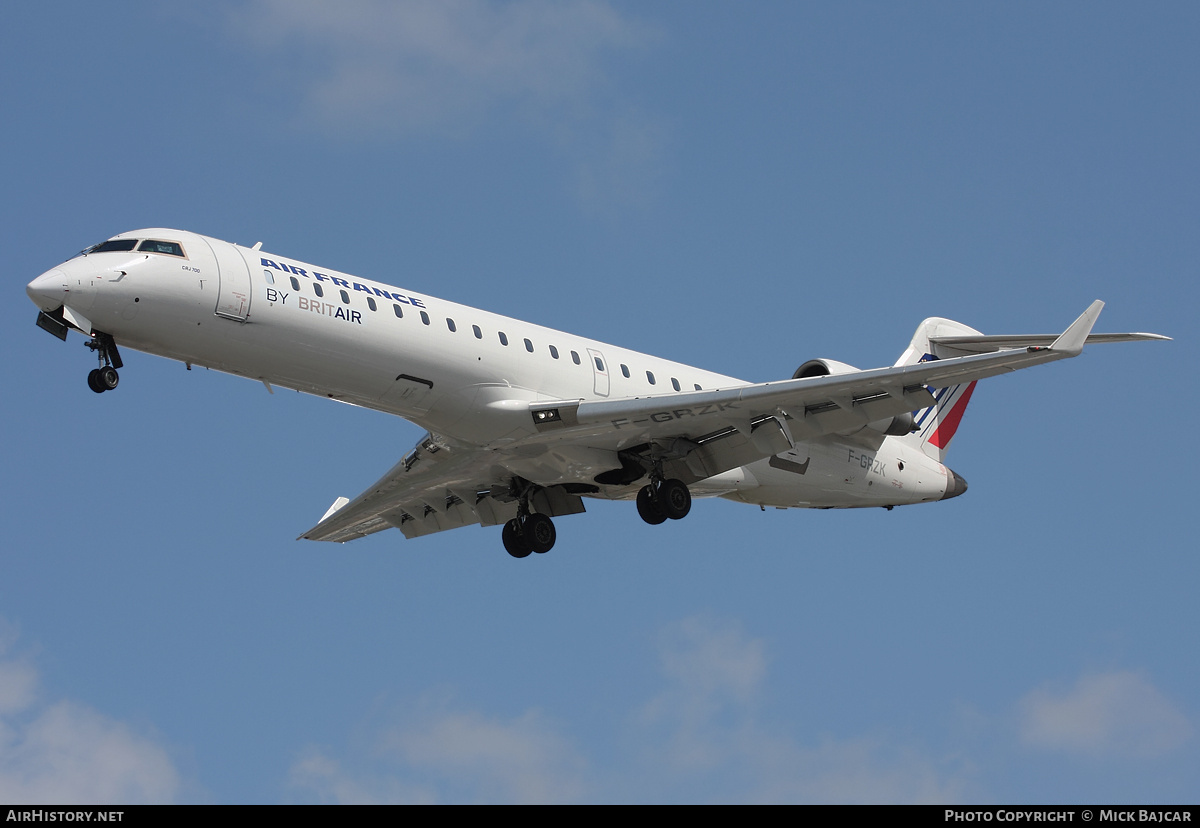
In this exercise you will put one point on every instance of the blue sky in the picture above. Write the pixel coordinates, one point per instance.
(738, 186)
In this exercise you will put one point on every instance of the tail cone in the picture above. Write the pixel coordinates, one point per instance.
(956, 485)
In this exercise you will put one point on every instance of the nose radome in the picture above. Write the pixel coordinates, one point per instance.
(48, 290)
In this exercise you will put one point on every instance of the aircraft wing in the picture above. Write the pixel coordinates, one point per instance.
(799, 409)
(694, 434)
(436, 486)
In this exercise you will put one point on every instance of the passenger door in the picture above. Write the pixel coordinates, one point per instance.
(233, 294)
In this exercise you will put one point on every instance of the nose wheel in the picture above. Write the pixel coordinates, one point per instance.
(104, 378)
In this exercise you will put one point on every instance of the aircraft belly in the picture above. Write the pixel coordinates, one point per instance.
(829, 474)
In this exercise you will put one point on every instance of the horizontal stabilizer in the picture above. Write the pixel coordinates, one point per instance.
(987, 344)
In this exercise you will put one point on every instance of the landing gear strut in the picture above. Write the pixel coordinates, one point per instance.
(104, 378)
(529, 531)
(648, 507)
(514, 543)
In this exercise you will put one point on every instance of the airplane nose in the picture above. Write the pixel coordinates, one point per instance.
(48, 290)
(956, 485)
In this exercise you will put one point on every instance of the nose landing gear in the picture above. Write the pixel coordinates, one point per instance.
(104, 378)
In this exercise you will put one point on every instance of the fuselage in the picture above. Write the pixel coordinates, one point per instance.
(464, 374)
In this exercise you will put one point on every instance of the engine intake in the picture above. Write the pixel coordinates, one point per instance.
(823, 368)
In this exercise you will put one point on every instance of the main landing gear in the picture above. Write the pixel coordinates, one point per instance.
(104, 378)
(664, 499)
(529, 531)
(532, 533)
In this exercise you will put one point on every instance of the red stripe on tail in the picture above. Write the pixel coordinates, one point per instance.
(946, 428)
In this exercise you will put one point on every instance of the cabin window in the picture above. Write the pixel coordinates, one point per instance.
(450, 324)
(478, 333)
(114, 246)
(697, 385)
(528, 346)
(371, 304)
(295, 282)
(599, 364)
(625, 370)
(503, 338)
(424, 317)
(165, 247)
(398, 311)
(575, 358)
(317, 289)
(345, 297)
(675, 384)
(554, 352)
(650, 377)
(269, 276)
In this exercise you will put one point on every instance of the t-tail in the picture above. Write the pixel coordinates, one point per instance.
(937, 338)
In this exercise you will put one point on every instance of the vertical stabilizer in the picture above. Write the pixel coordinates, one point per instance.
(937, 425)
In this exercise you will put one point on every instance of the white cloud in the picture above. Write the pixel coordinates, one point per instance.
(521, 760)
(18, 684)
(381, 66)
(325, 778)
(66, 753)
(439, 755)
(376, 69)
(699, 739)
(713, 739)
(1117, 715)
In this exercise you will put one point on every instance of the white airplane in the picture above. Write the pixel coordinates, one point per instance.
(524, 421)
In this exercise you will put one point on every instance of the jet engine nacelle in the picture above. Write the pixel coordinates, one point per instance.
(896, 426)
(823, 368)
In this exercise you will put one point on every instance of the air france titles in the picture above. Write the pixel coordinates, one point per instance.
(326, 308)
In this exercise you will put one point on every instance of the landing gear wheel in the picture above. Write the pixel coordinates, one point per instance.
(108, 377)
(648, 508)
(674, 499)
(514, 542)
(539, 533)
(104, 378)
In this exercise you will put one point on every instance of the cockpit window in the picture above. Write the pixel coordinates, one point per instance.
(168, 247)
(113, 246)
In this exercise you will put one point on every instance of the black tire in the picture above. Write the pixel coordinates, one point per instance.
(539, 533)
(94, 381)
(109, 378)
(648, 508)
(674, 499)
(513, 541)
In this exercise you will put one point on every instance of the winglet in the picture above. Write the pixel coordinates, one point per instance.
(337, 505)
(1072, 339)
